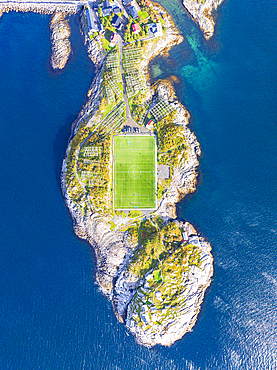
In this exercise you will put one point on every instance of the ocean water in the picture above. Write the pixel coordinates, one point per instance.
(51, 313)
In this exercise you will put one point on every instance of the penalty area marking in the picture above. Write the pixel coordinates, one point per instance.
(135, 139)
(129, 199)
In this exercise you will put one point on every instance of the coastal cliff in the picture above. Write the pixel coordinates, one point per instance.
(168, 296)
(202, 12)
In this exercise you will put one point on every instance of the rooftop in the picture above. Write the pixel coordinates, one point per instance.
(133, 12)
(117, 22)
(92, 24)
(116, 10)
(107, 4)
(136, 28)
(107, 11)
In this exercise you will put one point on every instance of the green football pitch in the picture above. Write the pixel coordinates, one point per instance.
(134, 172)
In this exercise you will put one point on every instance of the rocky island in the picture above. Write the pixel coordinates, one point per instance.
(60, 33)
(202, 12)
(130, 159)
(153, 267)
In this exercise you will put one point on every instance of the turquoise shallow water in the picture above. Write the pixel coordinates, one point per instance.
(51, 313)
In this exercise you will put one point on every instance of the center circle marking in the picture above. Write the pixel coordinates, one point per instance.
(134, 172)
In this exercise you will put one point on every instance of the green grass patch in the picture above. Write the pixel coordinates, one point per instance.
(157, 274)
(134, 172)
(106, 44)
(135, 214)
(165, 259)
(143, 15)
(172, 145)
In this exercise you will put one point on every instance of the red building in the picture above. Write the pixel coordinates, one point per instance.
(136, 28)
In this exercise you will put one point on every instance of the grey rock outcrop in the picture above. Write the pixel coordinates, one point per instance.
(201, 12)
(60, 33)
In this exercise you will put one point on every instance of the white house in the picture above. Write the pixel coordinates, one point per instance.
(91, 19)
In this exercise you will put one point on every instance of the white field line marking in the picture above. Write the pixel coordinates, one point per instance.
(138, 194)
(138, 166)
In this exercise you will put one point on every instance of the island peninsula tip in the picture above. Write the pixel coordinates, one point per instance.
(153, 267)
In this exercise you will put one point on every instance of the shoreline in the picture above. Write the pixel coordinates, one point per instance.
(115, 248)
(61, 47)
(94, 227)
(40, 7)
(202, 14)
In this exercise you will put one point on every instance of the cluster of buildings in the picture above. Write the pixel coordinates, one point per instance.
(113, 9)
(93, 20)
(108, 9)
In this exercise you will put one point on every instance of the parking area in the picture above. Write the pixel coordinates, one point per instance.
(131, 130)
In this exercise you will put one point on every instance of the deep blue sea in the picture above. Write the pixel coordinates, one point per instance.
(52, 316)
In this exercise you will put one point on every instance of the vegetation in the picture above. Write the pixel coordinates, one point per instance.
(161, 256)
(134, 172)
(106, 21)
(74, 188)
(112, 86)
(138, 106)
(163, 185)
(148, 14)
(88, 174)
(172, 147)
(109, 30)
(143, 15)
(136, 87)
(106, 42)
(121, 213)
(93, 169)
(134, 214)
(154, 241)
(164, 259)
(130, 36)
